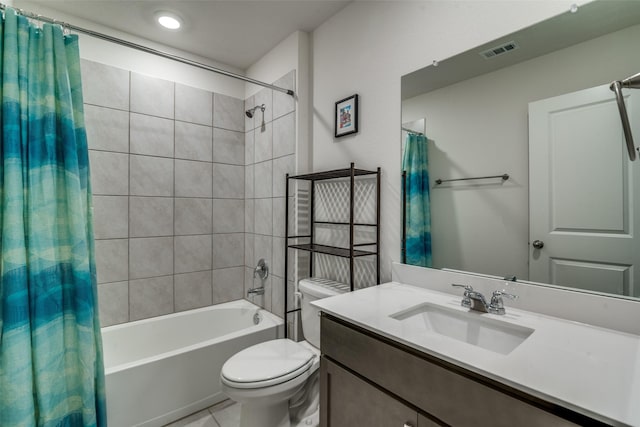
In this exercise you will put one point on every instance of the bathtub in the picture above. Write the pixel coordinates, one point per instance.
(164, 368)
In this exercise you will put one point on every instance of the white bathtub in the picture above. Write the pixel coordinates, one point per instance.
(161, 369)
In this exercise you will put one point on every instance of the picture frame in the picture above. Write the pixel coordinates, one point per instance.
(346, 116)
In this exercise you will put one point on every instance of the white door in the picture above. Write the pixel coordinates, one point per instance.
(584, 198)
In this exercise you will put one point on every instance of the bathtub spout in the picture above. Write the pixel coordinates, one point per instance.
(255, 291)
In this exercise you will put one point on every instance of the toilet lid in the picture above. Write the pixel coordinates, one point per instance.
(268, 363)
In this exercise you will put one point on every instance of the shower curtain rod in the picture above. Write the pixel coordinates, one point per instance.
(95, 34)
(412, 131)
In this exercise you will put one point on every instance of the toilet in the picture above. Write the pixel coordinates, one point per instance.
(276, 382)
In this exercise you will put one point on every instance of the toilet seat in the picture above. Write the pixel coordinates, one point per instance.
(267, 364)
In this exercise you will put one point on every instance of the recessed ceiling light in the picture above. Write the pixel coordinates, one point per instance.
(169, 20)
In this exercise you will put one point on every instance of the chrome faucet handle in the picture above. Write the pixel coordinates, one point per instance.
(261, 270)
(466, 287)
(497, 305)
(503, 293)
(466, 301)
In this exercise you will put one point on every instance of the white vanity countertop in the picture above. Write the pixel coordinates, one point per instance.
(592, 370)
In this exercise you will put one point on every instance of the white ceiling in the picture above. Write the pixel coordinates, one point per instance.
(234, 32)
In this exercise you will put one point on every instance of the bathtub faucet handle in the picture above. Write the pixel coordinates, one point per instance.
(261, 270)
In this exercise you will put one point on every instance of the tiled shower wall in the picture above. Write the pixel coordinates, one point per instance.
(168, 177)
(269, 156)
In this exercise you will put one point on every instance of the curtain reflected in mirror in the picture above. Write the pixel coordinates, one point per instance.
(417, 209)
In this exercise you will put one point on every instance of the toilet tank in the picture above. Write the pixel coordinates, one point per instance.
(313, 289)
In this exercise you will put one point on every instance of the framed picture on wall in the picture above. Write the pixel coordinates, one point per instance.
(346, 116)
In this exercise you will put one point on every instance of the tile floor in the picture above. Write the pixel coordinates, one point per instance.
(223, 414)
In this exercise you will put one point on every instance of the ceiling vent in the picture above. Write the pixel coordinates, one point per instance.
(499, 50)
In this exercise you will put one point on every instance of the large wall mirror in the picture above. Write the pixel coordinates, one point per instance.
(536, 105)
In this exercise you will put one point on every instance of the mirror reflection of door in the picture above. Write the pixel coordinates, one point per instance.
(584, 192)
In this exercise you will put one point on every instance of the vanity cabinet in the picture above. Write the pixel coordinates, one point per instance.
(369, 380)
(352, 401)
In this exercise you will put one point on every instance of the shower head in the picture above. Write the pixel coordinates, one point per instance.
(250, 111)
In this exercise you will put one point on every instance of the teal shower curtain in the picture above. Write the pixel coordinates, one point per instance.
(51, 368)
(418, 214)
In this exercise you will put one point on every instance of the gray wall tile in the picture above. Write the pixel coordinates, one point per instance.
(248, 280)
(104, 85)
(192, 253)
(248, 181)
(284, 135)
(151, 216)
(194, 105)
(151, 135)
(248, 122)
(228, 250)
(150, 257)
(277, 296)
(249, 215)
(278, 256)
(155, 178)
(151, 176)
(263, 144)
(228, 181)
(193, 179)
(193, 290)
(153, 96)
(113, 299)
(249, 260)
(278, 215)
(283, 103)
(228, 112)
(107, 129)
(228, 284)
(263, 96)
(263, 216)
(151, 297)
(228, 216)
(281, 167)
(112, 260)
(263, 179)
(248, 148)
(109, 173)
(110, 217)
(193, 142)
(228, 147)
(193, 216)
(263, 247)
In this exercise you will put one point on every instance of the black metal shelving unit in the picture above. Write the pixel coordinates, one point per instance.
(350, 252)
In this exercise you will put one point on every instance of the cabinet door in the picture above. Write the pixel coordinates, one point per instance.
(346, 400)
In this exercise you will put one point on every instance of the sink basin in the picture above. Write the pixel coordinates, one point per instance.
(470, 327)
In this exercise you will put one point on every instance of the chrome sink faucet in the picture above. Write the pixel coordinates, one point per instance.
(474, 300)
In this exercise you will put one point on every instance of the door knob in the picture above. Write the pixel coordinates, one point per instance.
(538, 244)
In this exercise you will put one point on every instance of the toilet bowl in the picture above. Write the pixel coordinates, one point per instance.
(275, 382)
